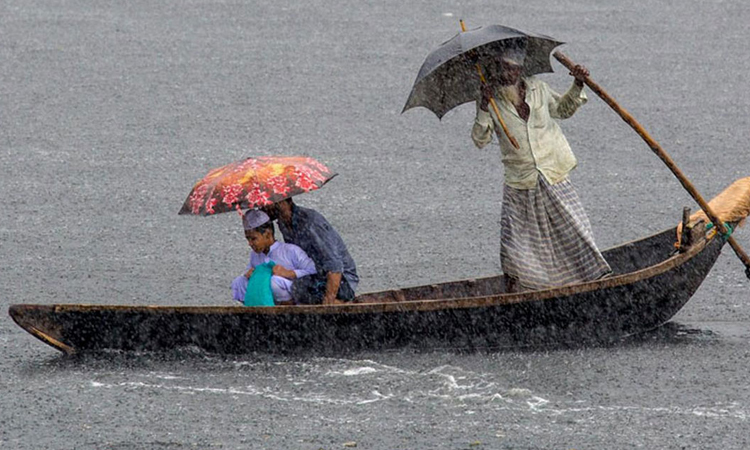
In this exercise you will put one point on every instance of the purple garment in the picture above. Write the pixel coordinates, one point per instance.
(287, 255)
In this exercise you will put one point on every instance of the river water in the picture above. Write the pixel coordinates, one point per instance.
(112, 110)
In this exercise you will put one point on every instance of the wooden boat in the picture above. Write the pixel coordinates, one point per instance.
(652, 280)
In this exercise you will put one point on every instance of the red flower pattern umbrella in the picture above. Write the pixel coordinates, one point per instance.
(255, 182)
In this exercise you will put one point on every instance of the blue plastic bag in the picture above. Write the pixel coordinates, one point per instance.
(258, 291)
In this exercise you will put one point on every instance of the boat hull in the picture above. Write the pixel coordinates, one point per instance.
(640, 298)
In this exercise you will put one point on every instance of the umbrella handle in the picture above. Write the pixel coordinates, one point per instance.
(512, 140)
(656, 148)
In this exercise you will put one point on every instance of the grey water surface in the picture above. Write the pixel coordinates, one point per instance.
(110, 111)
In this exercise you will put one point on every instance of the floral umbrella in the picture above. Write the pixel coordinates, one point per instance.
(255, 182)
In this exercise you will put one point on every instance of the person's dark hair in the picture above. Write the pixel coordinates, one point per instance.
(265, 227)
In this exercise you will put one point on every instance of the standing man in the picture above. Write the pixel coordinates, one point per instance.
(546, 236)
(336, 278)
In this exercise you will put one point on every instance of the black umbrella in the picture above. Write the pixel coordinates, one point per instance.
(448, 77)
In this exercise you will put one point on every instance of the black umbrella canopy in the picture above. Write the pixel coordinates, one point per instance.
(448, 76)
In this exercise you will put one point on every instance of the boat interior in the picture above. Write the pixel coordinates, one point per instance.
(731, 206)
(625, 258)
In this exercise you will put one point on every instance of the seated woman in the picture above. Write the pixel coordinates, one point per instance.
(291, 262)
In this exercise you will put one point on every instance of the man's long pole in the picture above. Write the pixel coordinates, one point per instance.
(664, 157)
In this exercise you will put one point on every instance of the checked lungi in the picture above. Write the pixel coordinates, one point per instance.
(546, 237)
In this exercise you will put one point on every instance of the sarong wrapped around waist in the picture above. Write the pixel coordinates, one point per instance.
(546, 237)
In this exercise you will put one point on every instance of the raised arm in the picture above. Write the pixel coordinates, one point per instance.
(481, 132)
(564, 106)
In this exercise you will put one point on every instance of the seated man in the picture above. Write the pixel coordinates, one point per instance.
(336, 278)
(291, 262)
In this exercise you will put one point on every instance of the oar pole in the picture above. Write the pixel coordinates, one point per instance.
(483, 80)
(565, 61)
